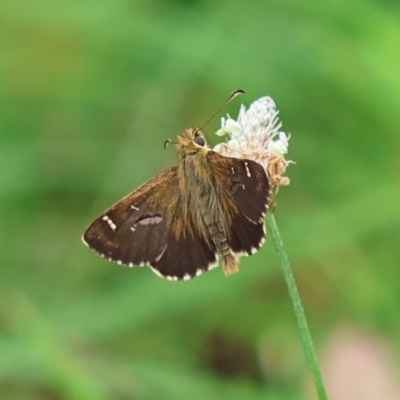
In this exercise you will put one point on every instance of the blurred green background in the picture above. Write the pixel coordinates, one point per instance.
(90, 90)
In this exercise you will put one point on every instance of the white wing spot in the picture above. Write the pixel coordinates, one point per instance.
(233, 170)
(212, 266)
(133, 229)
(246, 164)
(186, 277)
(109, 222)
(134, 208)
(130, 265)
(243, 187)
(156, 219)
(254, 250)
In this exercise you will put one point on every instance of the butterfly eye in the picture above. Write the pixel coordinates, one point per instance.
(200, 140)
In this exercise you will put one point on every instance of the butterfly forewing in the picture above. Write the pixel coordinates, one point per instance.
(138, 231)
(134, 231)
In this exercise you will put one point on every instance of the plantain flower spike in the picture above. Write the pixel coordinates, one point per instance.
(256, 135)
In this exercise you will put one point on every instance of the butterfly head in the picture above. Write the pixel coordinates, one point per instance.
(191, 141)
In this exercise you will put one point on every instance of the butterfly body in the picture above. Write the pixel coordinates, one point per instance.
(185, 218)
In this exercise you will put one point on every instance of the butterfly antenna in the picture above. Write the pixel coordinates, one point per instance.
(231, 97)
(167, 142)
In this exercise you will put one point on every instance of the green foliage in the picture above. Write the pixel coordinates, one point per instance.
(89, 91)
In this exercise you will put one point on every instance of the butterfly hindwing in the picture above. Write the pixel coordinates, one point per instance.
(246, 237)
(185, 258)
(246, 182)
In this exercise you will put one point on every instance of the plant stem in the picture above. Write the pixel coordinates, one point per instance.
(305, 333)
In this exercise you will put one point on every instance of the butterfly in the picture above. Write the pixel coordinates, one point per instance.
(186, 218)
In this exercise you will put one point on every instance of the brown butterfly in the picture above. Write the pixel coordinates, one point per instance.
(186, 217)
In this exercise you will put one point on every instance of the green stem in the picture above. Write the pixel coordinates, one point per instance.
(305, 334)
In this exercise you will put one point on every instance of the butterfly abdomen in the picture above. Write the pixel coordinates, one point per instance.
(219, 238)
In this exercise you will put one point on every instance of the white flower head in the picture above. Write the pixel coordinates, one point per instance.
(228, 126)
(256, 136)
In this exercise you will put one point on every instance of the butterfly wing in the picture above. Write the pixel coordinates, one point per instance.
(143, 228)
(185, 257)
(246, 183)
